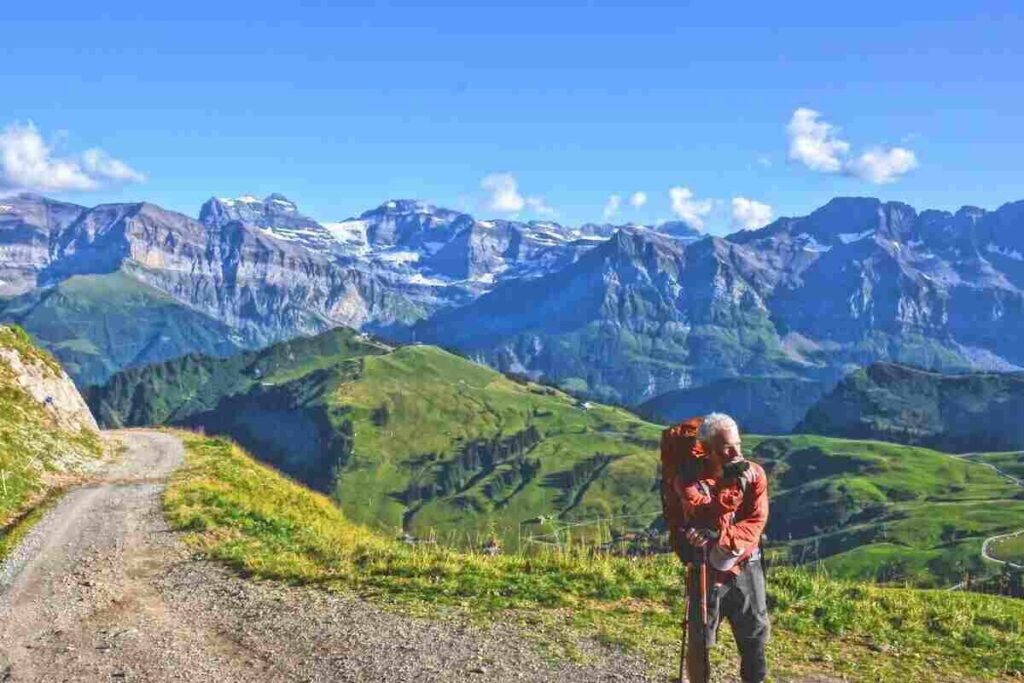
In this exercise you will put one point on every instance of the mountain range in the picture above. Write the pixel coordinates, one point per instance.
(815, 297)
(247, 273)
(621, 313)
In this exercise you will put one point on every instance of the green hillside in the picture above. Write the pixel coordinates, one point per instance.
(172, 391)
(422, 441)
(445, 444)
(36, 452)
(415, 439)
(98, 324)
(235, 510)
(877, 510)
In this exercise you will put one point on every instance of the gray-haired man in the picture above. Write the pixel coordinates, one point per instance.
(727, 509)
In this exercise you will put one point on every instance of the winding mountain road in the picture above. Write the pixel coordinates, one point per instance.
(101, 589)
(992, 539)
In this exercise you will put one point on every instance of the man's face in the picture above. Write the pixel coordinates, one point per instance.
(726, 446)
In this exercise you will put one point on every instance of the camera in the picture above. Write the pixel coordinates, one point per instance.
(734, 470)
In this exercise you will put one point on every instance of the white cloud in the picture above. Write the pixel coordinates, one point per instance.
(813, 142)
(881, 166)
(100, 164)
(27, 162)
(538, 205)
(504, 192)
(689, 210)
(748, 214)
(612, 207)
(637, 199)
(506, 198)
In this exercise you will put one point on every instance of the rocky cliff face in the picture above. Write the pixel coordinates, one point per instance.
(46, 431)
(51, 387)
(260, 285)
(27, 223)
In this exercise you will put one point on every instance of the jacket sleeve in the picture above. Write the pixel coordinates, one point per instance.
(692, 497)
(740, 536)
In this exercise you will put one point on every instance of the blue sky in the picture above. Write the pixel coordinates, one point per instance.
(560, 104)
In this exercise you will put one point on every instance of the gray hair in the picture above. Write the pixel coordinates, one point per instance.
(715, 423)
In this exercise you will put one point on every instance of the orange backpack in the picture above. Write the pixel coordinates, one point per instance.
(682, 460)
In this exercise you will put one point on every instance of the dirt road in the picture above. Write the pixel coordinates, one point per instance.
(102, 590)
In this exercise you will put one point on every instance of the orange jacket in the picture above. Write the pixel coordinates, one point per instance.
(739, 518)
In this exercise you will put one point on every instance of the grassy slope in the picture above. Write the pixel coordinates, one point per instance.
(97, 324)
(237, 510)
(435, 403)
(33, 450)
(882, 510)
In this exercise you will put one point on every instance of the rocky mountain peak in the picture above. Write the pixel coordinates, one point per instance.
(401, 206)
(279, 200)
(680, 230)
(275, 216)
(638, 250)
(246, 208)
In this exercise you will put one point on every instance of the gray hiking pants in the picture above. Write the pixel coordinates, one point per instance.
(743, 603)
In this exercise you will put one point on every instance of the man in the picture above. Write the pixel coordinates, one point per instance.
(726, 509)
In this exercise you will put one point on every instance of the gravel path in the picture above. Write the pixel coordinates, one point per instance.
(102, 590)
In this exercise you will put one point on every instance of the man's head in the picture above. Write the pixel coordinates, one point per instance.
(720, 436)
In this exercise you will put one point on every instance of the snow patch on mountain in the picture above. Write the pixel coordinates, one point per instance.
(850, 238)
(301, 235)
(244, 199)
(1008, 253)
(809, 243)
(399, 256)
(420, 279)
(351, 234)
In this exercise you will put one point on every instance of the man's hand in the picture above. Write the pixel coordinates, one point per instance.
(699, 538)
(749, 476)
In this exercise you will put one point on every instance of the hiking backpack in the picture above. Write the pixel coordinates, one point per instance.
(682, 460)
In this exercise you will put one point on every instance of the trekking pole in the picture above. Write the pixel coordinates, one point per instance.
(704, 613)
(687, 587)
